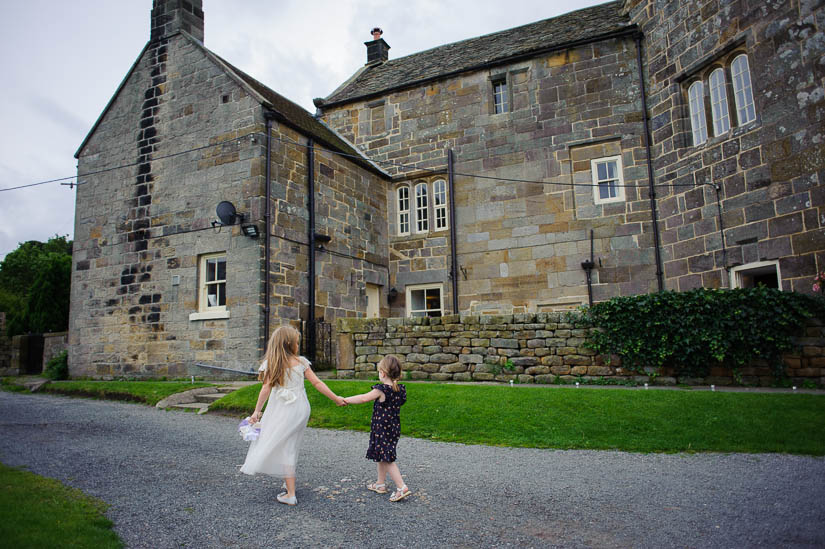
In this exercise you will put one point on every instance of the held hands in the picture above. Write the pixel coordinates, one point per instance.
(340, 401)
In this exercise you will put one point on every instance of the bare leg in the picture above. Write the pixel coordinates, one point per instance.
(395, 473)
(290, 486)
(382, 472)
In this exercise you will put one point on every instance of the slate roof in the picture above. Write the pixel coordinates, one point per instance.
(296, 116)
(585, 25)
(285, 111)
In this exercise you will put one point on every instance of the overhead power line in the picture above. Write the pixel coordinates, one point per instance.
(411, 167)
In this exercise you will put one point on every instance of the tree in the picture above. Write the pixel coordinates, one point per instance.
(34, 286)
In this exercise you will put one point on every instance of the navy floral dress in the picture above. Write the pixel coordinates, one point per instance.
(385, 428)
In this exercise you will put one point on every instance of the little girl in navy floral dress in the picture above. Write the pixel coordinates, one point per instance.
(385, 428)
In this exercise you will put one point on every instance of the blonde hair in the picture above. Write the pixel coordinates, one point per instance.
(391, 367)
(282, 348)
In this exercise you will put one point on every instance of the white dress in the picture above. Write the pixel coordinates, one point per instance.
(275, 452)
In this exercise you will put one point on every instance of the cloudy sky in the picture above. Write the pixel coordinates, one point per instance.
(62, 61)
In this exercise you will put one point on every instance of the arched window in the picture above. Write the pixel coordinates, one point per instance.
(403, 210)
(440, 204)
(422, 218)
(719, 102)
(742, 91)
(698, 123)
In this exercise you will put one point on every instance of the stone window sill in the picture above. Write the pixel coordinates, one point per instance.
(209, 315)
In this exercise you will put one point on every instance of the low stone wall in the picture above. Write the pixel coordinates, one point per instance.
(54, 344)
(528, 348)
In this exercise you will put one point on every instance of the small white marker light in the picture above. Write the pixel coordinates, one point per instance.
(511, 383)
(645, 386)
(713, 387)
(577, 385)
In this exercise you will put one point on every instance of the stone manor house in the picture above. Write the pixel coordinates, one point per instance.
(626, 148)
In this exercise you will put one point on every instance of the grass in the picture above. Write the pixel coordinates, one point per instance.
(146, 392)
(568, 418)
(40, 512)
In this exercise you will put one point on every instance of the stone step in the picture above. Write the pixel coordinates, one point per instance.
(209, 398)
(201, 407)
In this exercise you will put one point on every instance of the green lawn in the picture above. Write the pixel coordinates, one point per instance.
(147, 392)
(39, 512)
(569, 418)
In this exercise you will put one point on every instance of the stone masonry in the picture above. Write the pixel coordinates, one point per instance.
(519, 245)
(767, 175)
(529, 348)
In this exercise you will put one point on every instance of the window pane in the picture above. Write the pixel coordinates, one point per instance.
(742, 92)
(212, 295)
(697, 113)
(211, 270)
(500, 96)
(403, 210)
(421, 210)
(719, 102)
(417, 298)
(221, 269)
(601, 169)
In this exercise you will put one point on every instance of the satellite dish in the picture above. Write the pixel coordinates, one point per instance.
(226, 213)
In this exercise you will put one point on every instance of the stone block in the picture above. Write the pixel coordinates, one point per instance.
(578, 370)
(443, 358)
(471, 359)
(504, 343)
(483, 376)
(417, 357)
(416, 375)
(534, 370)
(524, 362)
(560, 370)
(599, 371)
(441, 377)
(526, 379)
(453, 368)
(463, 376)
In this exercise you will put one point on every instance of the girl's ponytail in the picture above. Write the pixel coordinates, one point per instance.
(392, 368)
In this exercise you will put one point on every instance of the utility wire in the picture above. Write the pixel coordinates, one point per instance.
(346, 155)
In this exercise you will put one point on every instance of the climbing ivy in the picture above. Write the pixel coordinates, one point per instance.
(695, 330)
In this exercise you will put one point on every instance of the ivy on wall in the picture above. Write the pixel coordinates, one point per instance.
(695, 330)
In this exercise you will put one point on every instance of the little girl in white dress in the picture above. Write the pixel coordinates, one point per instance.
(275, 452)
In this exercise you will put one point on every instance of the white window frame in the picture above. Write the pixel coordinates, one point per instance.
(205, 310)
(738, 273)
(422, 208)
(619, 180)
(742, 90)
(501, 98)
(404, 214)
(440, 204)
(719, 102)
(425, 312)
(698, 119)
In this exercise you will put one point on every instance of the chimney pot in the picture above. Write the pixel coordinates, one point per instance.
(377, 49)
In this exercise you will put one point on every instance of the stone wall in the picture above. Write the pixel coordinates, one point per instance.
(519, 245)
(141, 229)
(529, 348)
(53, 345)
(769, 171)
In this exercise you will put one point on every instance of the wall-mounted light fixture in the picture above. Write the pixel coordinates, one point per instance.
(229, 216)
(392, 294)
(321, 239)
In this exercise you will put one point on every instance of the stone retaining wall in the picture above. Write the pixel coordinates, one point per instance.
(527, 348)
(54, 344)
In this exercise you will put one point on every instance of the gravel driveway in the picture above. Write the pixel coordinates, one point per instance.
(172, 480)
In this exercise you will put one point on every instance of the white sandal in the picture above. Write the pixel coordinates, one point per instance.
(400, 494)
(286, 500)
(377, 488)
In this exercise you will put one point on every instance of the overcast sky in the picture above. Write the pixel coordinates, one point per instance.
(63, 60)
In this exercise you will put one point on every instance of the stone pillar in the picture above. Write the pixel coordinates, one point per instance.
(172, 16)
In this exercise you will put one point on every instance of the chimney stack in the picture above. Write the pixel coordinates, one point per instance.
(169, 17)
(377, 49)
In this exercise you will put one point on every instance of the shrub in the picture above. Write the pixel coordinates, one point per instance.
(57, 367)
(692, 331)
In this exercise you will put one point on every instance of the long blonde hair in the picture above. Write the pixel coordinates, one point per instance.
(391, 367)
(282, 348)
